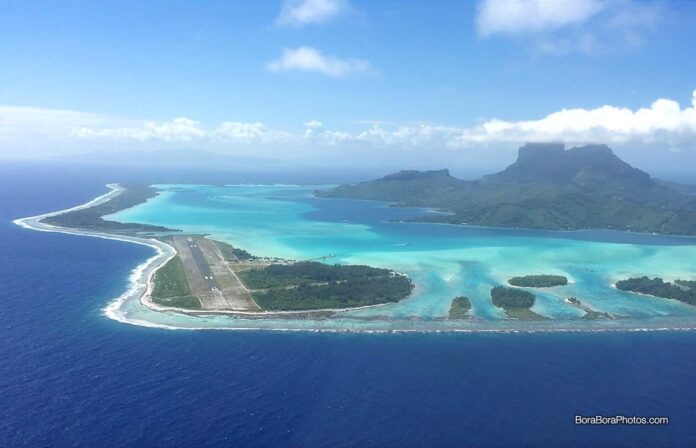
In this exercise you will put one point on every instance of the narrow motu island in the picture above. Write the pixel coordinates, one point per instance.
(198, 275)
(539, 281)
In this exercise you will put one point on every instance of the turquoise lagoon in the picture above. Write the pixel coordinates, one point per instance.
(444, 261)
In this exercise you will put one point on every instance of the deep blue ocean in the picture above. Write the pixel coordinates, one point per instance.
(71, 377)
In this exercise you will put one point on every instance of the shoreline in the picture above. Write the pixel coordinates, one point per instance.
(142, 276)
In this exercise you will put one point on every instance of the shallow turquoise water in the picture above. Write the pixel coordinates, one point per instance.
(443, 260)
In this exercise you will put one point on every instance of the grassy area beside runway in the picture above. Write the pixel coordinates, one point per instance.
(171, 287)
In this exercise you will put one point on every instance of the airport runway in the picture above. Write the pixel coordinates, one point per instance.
(202, 265)
(210, 277)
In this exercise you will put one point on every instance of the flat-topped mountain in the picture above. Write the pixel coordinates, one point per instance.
(550, 162)
(547, 187)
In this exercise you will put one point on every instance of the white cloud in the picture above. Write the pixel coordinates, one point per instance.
(179, 129)
(664, 121)
(313, 127)
(303, 12)
(15, 120)
(664, 124)
(256, 132)
(241, 131)
(313, 124)
(310, 59)
(184, 129)
(335, 138)
(560, 27)
(523, 16)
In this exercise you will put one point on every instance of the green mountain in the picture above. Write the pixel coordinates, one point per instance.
(548, 187)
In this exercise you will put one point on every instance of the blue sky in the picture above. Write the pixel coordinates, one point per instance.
(303, 79)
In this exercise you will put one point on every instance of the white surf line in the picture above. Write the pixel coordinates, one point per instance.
(141, 283)
(29, 223)
(140, 278)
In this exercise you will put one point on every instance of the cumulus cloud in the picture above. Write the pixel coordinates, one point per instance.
(313, 127)
(241, 131)
(179, 129)
(303, 12)
(308, 59)
(665, 120)
(523, 16)
(664, 124)
(184, 129)
(569, 26)
(313, 124)
(256, 132)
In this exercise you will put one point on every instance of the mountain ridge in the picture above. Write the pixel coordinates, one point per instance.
(547, 187)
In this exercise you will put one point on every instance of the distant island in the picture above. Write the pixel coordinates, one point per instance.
(590, 314)
(459, 309)
(515, 302)
(548, 187)
(681, 290)
(538, 281)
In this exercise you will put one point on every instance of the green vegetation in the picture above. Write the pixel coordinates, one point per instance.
(233, 254)
(546, 188)
(292, 286)
(170, 280)
(171, 287)
(686, 283)
(681, 290)
(511, 297)
(538, 281)
(515, 302)
(590, 314)
(185, 302)
(687, 189)
(460, 308)
(280, 275)
(311, 285)
(92, 218)
(354, 293)
(523, 314)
